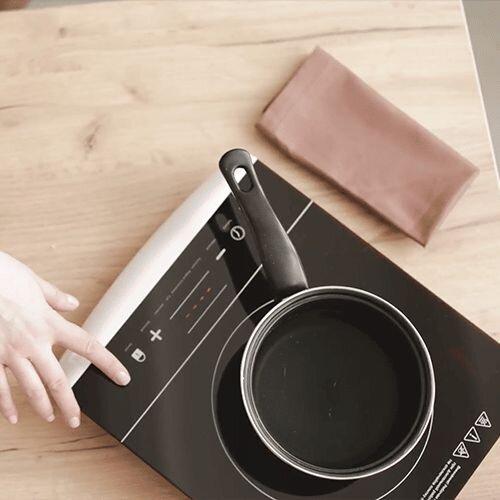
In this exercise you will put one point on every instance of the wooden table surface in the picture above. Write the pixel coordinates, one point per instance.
(111, 114)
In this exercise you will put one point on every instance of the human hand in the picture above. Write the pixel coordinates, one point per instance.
(30, 324)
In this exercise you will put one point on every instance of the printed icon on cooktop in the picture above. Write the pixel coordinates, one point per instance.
(461, 451)
(237, 233)
(472, 436)
(138, 355)
(155, 334)
(483, 420)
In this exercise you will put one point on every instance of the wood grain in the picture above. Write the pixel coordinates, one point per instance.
(111, 114)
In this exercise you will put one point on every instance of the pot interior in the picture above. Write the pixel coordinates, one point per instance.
(338, 383)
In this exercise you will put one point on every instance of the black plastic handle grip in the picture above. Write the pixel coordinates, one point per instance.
(278, 255)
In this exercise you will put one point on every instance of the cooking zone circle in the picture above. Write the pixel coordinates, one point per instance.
(256, 464)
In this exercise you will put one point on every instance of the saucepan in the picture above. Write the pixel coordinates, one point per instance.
(336, 381)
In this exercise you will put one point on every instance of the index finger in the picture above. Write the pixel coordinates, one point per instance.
(85, 344)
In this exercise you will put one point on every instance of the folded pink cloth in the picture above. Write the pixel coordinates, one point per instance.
(329, 120)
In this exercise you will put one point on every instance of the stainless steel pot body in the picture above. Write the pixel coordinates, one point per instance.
(265, 326)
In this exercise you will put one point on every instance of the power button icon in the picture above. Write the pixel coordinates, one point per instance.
(237, 233)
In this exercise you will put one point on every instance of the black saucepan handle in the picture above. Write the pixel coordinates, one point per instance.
(278, 255)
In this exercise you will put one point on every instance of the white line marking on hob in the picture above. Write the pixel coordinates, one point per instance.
(159, 308)
(306, 208)
(189, 294)
(220, 254)
(198, 345)
(169, 381)
(207, 308)
(210, 244)
(195, 263)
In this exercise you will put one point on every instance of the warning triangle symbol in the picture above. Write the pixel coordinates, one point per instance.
(483, 420)
(461, 451)
(472, 436)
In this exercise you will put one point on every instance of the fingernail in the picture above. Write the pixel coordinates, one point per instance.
(51, 418)
(123, 378)
(72, 301)
(74, 422)
(13, 419)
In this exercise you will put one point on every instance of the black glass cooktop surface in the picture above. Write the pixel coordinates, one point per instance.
(182, 413)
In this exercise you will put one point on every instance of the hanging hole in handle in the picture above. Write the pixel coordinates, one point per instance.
(242, 179)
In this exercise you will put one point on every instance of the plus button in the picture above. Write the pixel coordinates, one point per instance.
(155, 335)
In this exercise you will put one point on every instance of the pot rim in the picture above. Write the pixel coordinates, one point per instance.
(246, 375)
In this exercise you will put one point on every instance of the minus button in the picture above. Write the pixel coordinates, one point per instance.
(220, 254)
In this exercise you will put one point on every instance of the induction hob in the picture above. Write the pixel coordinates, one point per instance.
(181, 312)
